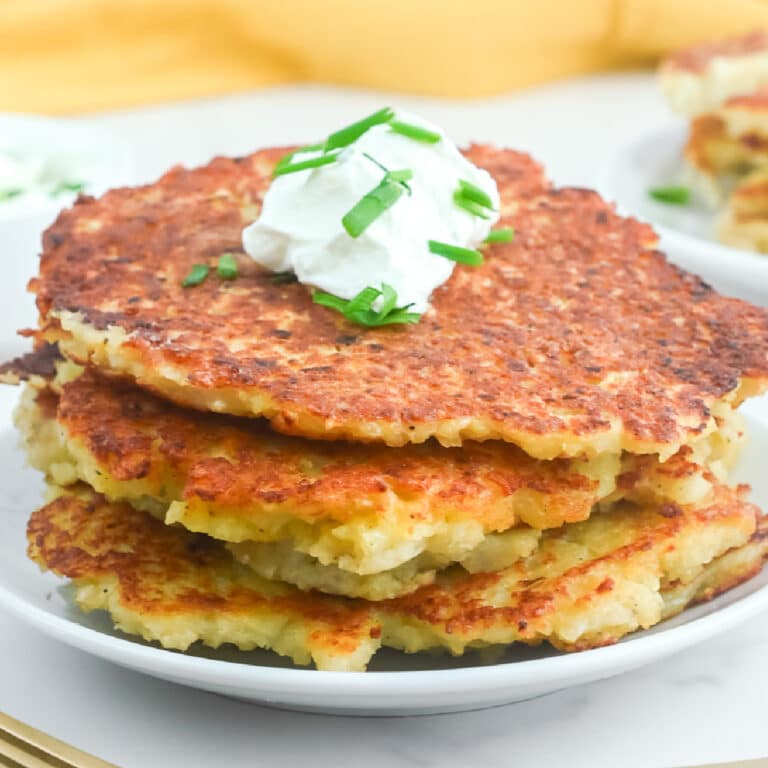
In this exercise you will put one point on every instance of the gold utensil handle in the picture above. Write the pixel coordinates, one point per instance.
(22, 746)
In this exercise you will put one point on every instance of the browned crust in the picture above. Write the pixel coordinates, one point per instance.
(696, 58)
(40, 362)
(165, 571)
(572, 328)
(706, 132)
(712, 149)
(461, 606)
(757, 100)
(243, 467)
(759, 539)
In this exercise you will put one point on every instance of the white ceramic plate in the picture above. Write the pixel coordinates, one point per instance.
(397, 684)
(655, 160)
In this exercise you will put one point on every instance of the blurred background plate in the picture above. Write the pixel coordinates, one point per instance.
(655, 160)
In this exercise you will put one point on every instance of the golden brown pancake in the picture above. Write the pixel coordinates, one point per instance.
(576, 338)
(700, 77)
(38, 365)
(731, 140)
(169, 585)
(358, 520)
(587, 584)
(700, 56)
(744, 222)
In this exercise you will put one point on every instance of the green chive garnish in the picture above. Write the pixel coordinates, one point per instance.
(227, 267)
(363, 301)
(304, 165)
(196, 275)
(470, 205)
(286, 159)
(401, 176)
(473, 200)
(388, 299)
(475, 194)
(374, 203)
(415, 132)
(330, 301)
(9, 194)
(472, 192)
(456, 253)
(673, 195)
(360, 309)
(350, 134)
(68, 186)
(501, 235)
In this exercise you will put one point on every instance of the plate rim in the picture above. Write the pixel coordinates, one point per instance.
(493, 677)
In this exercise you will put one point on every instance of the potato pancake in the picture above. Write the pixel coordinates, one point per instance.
(587, 584)
(359, 520)
(577, 338)
(744, 222)
(700, 77)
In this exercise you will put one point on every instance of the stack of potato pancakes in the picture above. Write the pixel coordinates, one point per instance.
(543, 457)
(722, 88)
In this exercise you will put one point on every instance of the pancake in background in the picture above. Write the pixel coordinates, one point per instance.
(744, 222)
(728, 143)
(699, 78)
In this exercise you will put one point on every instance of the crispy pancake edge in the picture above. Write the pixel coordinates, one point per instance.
(458, 374)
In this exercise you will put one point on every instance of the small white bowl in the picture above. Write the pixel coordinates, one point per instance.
(655, 160)
(86, 154)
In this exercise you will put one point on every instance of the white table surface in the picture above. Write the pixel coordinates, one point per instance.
(706, 705)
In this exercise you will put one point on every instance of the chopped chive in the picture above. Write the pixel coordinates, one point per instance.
(304, 165)
(376, 162)
(472, 192)
(470, 205)
(404, 175)
(371, 206)
(196, 275)
(473, 200)
(286, 159)
(363, 301)
(227, 267)
(360, 308)
(400, 176)
(398, 316)
(674, 195)
(330, 301)
(388, 299)
(68, 186)
(456, 253)
(500, 235)
(9, 194)
(350, 134)
(284, 278)
(415, 132)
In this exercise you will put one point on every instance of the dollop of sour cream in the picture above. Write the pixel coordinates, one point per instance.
(300, 226)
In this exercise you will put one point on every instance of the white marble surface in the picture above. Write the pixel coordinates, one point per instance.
(706, 705)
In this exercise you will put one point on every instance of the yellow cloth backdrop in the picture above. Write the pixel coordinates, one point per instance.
(69, 56)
